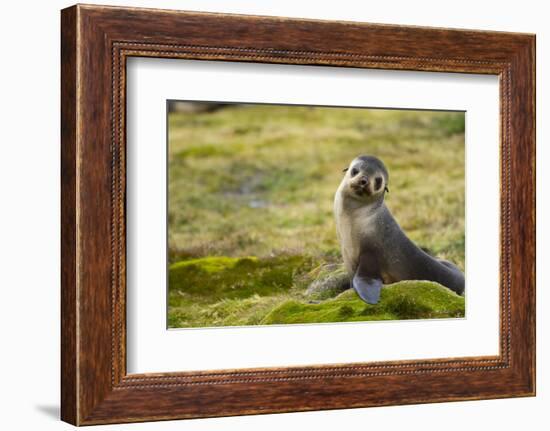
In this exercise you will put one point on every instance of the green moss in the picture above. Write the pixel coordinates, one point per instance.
(404, 300)
(226, 291)
(345, 311)
(211, 264)
(219, 278)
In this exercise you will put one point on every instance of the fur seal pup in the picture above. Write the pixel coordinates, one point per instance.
(374, 248)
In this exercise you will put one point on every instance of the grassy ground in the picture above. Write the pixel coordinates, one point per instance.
(250, 209)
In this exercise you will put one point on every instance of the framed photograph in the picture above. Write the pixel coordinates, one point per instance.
(263, 214)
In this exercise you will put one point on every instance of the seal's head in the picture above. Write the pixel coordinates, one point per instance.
(367, 178)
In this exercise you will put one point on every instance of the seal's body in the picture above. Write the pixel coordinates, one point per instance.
(374, 248)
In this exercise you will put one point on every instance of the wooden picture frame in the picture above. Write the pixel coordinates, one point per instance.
(95, 43)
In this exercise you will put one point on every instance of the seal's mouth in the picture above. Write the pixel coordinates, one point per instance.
(360, 189)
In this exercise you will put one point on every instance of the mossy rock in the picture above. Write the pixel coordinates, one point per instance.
(229, 291)
(398, 301)
(328, 281)
(222, 278)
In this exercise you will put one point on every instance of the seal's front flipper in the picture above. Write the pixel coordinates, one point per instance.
(367, 288)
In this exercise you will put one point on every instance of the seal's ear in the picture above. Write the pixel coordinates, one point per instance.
(386, 189)
(345, 170)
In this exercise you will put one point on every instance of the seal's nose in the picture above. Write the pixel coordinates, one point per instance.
(364, 180)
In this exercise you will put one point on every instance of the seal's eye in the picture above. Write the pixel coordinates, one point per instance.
(378, 183)
(354, 172)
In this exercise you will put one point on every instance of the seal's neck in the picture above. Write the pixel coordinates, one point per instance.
(373, 206)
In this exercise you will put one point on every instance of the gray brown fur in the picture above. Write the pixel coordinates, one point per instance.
(373, 244)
